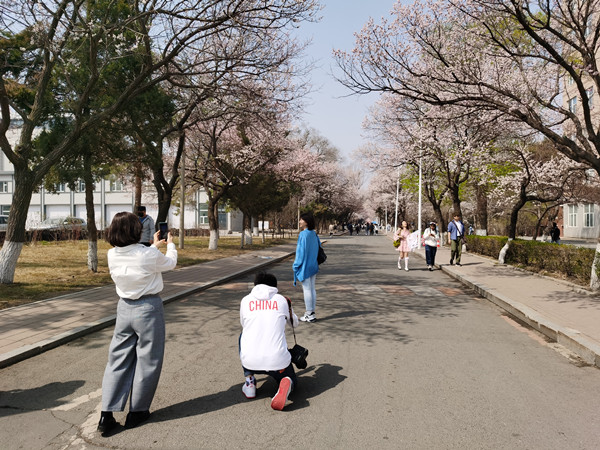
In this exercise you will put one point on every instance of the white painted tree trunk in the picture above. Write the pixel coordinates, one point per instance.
(594, 281)
(503, 251)
(213, 242)
(9, 254)
(92, 256)
(248, 234)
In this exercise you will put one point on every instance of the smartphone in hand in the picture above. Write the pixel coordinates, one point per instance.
(163, 227)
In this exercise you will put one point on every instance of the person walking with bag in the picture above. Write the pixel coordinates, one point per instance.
(456, 233)
(305, 265)
(431, 238)
(403, 249)
(135, 355)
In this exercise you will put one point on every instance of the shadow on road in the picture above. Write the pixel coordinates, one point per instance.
(325, 377)
(48, 396)
(311, 383)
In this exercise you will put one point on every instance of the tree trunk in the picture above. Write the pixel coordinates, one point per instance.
(482, 208)
(502, 254)
(137, 186)
(15, 231)
(164, 196)
(213, 224)
(594, 279)
(164, 188)
(243, 236)
(92, 254)
(514, 214)
(248, 228)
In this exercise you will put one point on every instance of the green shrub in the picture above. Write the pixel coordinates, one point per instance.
(486, 245)
(572, 262)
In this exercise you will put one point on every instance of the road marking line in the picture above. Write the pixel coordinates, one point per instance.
(78, 401)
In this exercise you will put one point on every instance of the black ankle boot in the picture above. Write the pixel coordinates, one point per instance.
(107, 422)
(135, 418)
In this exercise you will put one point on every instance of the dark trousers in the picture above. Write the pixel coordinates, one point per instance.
(430, 255)
(277, 375)
(455, 250)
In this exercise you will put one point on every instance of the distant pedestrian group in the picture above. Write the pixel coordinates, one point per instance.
(431, 240)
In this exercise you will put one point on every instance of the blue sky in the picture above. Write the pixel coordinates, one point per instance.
(328, 109)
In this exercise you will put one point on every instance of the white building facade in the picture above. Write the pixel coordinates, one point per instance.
(110, 197)
(580, 220)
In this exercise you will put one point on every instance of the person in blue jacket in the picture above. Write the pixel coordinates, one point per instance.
(306, 266)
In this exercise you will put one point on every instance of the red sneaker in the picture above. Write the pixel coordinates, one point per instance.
(285, 387)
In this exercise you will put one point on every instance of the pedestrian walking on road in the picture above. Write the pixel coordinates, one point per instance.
(555, 234)
(456, 233)
(264, 314)
(147, 226)
(306, 266)
(431, 238)
(135, 355)
(403, 249)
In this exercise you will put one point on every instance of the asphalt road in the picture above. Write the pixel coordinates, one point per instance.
(403, 360)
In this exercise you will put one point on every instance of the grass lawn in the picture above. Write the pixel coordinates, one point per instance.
(49, 269)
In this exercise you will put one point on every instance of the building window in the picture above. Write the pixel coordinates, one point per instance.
(203, 213)
(572, 215)
(570, 80)
(588, 215)
(4, 209)
(589, 93)
(116, 185)
(4, 187)
(81, 186)
(573, 104)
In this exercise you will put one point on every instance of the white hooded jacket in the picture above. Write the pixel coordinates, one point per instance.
(264, 314)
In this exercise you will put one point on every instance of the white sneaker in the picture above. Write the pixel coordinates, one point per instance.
(285, 387)
(406, 268)
(249, 388)
(308, 317)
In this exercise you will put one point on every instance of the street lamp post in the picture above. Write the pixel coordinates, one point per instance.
(419, 215)
(397, 191)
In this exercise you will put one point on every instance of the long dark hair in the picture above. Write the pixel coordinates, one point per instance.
(309, 219)
(125, 229)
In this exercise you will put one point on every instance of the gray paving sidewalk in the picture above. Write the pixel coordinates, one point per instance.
(30, 329)
(565, 312)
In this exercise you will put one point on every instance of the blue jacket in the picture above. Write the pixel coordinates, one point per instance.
(453, 230)
(305, 264)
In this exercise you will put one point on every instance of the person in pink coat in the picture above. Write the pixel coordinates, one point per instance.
(403, 248)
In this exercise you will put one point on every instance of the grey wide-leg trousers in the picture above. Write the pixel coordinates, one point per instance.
(135, 355)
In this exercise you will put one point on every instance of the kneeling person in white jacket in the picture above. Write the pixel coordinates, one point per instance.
(263, 348)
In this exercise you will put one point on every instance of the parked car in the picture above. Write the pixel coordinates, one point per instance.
(60, 228)
(3, 223)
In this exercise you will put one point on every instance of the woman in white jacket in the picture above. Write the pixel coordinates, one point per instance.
(431, 237)
(135, 356)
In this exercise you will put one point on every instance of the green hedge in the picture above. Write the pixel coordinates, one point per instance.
(574, 263)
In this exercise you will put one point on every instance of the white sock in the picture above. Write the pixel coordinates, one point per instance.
(406, 262)
(250, 379)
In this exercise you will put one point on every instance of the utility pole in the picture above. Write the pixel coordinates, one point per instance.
(182, 202)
